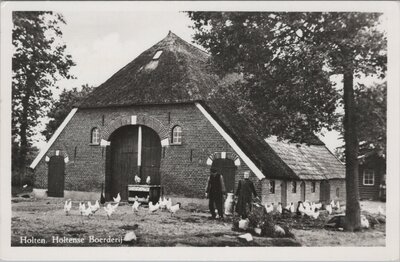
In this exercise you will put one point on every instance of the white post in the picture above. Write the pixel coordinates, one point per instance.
(139, 160)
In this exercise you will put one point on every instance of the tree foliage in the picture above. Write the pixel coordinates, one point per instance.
(61, 108)
(38, 61)
(286, 60)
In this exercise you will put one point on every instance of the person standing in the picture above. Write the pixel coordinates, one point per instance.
(215, 190)
(244, 193)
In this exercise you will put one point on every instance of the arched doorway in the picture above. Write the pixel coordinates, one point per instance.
(227, 168)
(134, 150)
(55, 176)
(303, 191)
(324, 191)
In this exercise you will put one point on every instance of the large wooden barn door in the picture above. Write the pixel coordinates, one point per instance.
(324, 191)
(227, 168)
(55, 176)
(151, 156)
(124, 154)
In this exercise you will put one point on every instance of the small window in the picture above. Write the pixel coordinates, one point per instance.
(369, 177)
(177, 135)
(95, 137)
(272, 186)
(157, 55)
(337, 192)
(294, 187)
(313, 187)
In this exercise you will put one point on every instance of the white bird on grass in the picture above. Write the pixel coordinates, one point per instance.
(135, 206)
(67, 206)
(94, 207)
(168, 203)
(117, 199)
(163, 203)
(110, 209)
(81, 208)
(329, 209)
(279, 208)
(87, 212)
(153, 208)
(175, 208)
(269, 208)
(130, 236)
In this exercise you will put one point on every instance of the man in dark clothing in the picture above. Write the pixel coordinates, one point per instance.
(214, 191)
(244, 195)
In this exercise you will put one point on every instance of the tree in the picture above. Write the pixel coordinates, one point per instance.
(39, 60)
(61, 108)
(286, 60)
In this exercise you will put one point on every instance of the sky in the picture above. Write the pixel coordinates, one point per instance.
(102, 42)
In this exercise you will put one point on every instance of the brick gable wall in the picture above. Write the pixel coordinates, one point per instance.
(180, 173)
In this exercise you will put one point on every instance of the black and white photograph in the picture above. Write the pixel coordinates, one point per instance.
(262, 128)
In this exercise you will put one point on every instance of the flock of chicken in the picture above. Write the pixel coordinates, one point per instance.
(90, 209)
(307, 208)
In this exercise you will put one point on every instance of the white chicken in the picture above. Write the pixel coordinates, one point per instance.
(329, 209)
(110, 209)
(87, 212)
(81, 208)
(291, 209)
(153, 208)
(364, 222)
(279, 208)
(301, 209)
(175, 208)
(117, 199)
(94, 207)
(130, 236)
(269, 208)
(338, 206)
(67, 206)
(287, 207)
(312, 213)
(332, 203)
(135, 206)
(163, 203)
(169, 203)
(148, 180)
(137, 179)
(318, 205)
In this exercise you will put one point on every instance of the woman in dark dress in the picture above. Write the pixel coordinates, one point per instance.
(244, 195)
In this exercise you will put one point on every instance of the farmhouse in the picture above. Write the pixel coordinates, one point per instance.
(154, 119)
(372, 175)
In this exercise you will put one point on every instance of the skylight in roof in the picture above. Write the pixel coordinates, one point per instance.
(157, 55)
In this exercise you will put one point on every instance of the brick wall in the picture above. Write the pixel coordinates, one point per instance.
(180, 174)
(341, 184)
(269, 198)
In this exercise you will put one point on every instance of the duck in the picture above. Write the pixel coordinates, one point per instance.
(117, 199)
(67, 206)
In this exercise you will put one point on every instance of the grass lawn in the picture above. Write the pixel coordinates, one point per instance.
(45, 219)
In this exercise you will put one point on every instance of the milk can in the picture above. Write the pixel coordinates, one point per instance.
(229, 204)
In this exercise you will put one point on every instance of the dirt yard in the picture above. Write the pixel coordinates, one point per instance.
(44, 220)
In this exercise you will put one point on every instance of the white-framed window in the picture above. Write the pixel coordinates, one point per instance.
(272, 186)
(95, 136)
(177, 135)
(368, 177)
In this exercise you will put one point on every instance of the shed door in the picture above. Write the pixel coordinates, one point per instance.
(324, 191)
(284, 193)
(151, 156)
(303, 191)
(227, 168)
(124, 151)
(56, 170)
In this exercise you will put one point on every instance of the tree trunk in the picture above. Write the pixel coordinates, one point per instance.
(351, 153)
(23, 151)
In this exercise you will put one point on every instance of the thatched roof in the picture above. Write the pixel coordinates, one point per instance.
(182, 75)
(179, 75)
